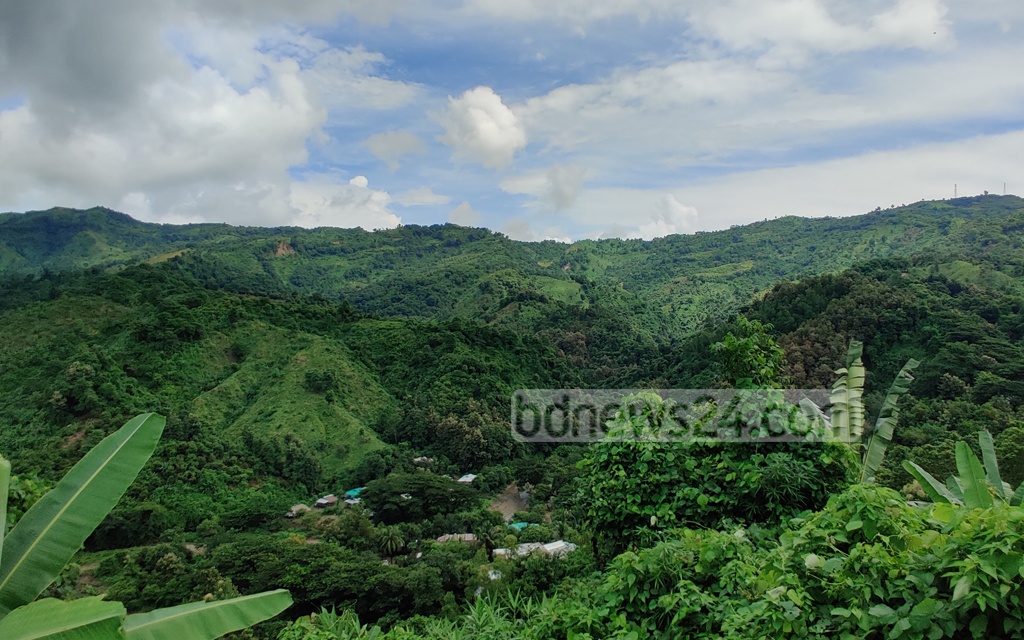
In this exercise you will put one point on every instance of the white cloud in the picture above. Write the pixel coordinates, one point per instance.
(176, 141)
(344, 79)
(558, 186)
(420, 197)
(666, 215)
(670, 216)
(858, 184)
(701, 112)
(522, 230)
(846, 186)
(788, 31)
(480, 127)
(464, 215)
(576, 12)
(391, 146)
(322, 202)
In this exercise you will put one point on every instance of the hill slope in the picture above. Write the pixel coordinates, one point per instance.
(605, 304)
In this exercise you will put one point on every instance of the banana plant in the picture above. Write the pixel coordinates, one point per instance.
(49, 534)
(978, 485)
(847, 416)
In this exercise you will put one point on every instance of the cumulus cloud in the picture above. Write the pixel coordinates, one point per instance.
(558, 186)
(481, 128)
(465, 216)
(576, 12)
(666, 215)
(172, 142)
(421, 196)
(391, 146)
(522, 230)
(322, 202)
(788, 31)
(670, 216)
(176, 112)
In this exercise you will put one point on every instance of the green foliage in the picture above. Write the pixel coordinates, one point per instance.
(611, 306)
(328, 625)
(87, 618)
(978, 485)
(885, 425)
(865, 566)
(273, 399)
(411, 497)
(50, 532)
(847, 414)
(630, 484)
(751, 360)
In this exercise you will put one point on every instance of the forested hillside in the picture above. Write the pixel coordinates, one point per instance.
(606, 304)
(297, 363)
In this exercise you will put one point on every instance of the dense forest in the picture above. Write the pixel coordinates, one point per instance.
(293, 364)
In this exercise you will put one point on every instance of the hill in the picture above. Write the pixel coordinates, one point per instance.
(293, 363)
(605, 304)
(269, 401)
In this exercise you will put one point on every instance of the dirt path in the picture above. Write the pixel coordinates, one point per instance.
(508, 502)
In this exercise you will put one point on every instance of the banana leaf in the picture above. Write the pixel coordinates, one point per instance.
(955, 487)
(49, 534)
(885, 425)
(206, 620)
(1017, 496)
(51, 619)
(820, 422)
(988, 455)
(935, 489)
(972, 477)
(846, 397)
(5, 488)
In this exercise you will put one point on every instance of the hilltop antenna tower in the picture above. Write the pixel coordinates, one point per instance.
(954, 189)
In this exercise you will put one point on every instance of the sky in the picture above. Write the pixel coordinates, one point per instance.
(541, 119)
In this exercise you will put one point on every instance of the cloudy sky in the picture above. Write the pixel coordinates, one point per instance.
(539, 118)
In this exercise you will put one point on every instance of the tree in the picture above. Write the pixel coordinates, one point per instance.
(391, 541)
(751, 358)
(52, 531)
(634, 481)
(847, 420)
(408, 497)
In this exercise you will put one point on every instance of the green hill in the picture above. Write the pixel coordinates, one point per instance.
(293, 363)
(605, 304)
(269, 401)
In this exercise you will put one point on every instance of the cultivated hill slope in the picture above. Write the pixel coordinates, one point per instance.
(444, 271)
(301, 389)
(606, 305)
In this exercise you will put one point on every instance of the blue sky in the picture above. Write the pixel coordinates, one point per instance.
(542, 119)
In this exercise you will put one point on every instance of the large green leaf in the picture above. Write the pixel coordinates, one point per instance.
(935, 489)
(50, 533)
(1017, 497)
(5, 487)
(846, 397)
(51, 619)
(206, 620)
(972, 477)
(955, 487)
(885, 425)
(988, 455)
